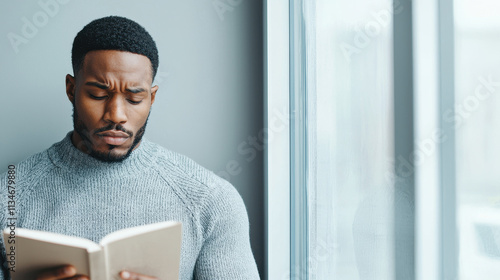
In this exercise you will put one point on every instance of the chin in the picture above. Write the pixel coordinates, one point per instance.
(109, 156)
(110, 153)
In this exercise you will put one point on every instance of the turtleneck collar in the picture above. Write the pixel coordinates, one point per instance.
(65, 155)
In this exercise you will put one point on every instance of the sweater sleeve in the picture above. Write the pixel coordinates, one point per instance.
(226, 252)
(3, 261)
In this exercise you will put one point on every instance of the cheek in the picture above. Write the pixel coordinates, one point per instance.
(139, 115)
(89, 113)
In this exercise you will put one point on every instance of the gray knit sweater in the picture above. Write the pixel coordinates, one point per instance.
(65, 191)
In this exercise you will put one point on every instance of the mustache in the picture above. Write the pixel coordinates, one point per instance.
(114, 127)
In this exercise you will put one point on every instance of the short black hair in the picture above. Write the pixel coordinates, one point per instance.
(114, 33)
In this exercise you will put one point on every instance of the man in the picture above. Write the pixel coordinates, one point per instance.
(104, 176)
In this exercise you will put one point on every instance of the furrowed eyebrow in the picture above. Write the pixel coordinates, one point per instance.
(135, 90)
(103, 86)
(99, 85)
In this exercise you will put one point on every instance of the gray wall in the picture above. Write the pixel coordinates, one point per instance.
(210, 78)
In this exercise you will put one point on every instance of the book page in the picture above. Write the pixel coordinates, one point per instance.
(36, 251)
(152, 250)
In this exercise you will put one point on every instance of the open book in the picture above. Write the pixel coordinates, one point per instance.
(152, 250)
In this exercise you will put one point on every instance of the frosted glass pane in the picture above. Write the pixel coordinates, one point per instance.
(350, 139)
(477, 117)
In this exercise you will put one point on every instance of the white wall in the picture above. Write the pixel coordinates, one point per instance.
(210, 78)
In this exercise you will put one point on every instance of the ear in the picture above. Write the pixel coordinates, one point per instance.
(70, 88)
(153, 94)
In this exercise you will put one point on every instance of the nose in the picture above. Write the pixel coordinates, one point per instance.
(115, 110)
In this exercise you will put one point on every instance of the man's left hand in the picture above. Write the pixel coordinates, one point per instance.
(128, 275)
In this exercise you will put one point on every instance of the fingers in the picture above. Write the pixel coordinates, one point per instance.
(78, 277)
(57, 273)
(128, 275)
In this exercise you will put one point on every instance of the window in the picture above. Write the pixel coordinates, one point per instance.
(477, 121)
(387, 166)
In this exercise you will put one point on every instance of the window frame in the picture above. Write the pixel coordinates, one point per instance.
(277, 151)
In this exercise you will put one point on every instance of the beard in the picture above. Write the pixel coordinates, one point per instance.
(110, 155)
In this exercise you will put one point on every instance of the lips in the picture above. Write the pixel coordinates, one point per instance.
(115, 138)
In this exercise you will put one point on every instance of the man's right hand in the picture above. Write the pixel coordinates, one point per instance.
(67, 272)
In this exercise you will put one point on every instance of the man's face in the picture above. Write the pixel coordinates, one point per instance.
(112, 97)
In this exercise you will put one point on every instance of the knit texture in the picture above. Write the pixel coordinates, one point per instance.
(66, 191)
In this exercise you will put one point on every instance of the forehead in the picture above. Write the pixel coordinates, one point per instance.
(113, 64)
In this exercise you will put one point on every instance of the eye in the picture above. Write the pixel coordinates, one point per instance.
(97, 97)
(134, 102)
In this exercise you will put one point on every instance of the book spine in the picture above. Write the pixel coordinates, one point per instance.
(98, 265)
(106, 263)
